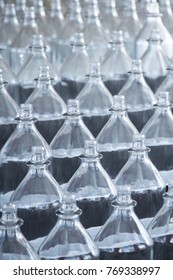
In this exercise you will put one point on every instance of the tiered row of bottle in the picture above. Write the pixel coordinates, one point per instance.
(86, 130)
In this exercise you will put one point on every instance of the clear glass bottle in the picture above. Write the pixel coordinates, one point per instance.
(2, 7)
(167, 14)
(115, 138)
(29, 71)
(40, 13)
(13, 245)
(93, 188)
(68, 240)
(74, 70)
(160, 228)
(154, 61)
(95, 101)
(8, 112)
(20, 6)
(146, 183)
(159, 136)
(48, 106)
(68, 143)
(37, 197)
(139, 98)
(130, 25)
(95, 36)
(116, 65)
(73, 25)
(123, 236)
(167, 84)
(17, 151)
(153, 21)
(8, 31)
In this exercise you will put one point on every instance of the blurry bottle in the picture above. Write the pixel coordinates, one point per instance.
(95, 101)
(8, 31)
(109, 16)
(160, 229)
(123, 236)
(95, 36)
(115, 138)
(40, 13)
(20, 6)
(167, 84)
(2, 7)
(130, 26)
(68, 143)
(13, 245)
(73, 25)
(153, 21)
(167, 14)
(20, 49)
(146, 183)
(29, 71)
(48, 107)
(93, 188)
(116, 65)
(139, 98)
(74, 70)
(17, 151)
(159, 136)
(8, 112)
(37, 197)
(68, 240)
(154, 61)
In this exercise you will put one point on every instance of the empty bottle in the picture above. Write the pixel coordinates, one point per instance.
(153, 21)
(167, 14)
(154, 61)
(74, 70)
(139, 98)
(93, 188)
(13, 245)
(115, 138)
(146, 183)
(160, 228)
(30, 69)
(20, 6)
(116, 65)
(123, 236)
(48, 107)
(95, 101)
(8, 112)
(17, 151)
(68, 240)
(68, 143)
(37, 197)
(130, 26)
(159, 136)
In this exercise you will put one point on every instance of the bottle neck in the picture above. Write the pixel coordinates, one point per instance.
(139, 155)
(47, 84)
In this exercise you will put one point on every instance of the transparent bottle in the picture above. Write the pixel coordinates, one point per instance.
(8, 31)
(74, 70)
(123, 236)
(95, 101)
(68, 240)
(130, 25)
(2, 7)
(139, 98)
(20, 6)
(17, 151)
(8, 112)
(48, 106)
(116, 65)
(37, 197)
(13, 245)
(74, 24)
(139, 172)
(115, 138)
(68, 143)
(154, 61)
(167, 84)
(95, 36)
(40, 13)
(93, 188)
(153, 21)
(29, 71)
(160, 228)
(167, 14)
(159, 136)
